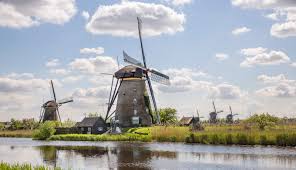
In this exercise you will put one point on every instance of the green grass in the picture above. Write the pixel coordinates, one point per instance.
(17, 133)
(17, 166)
(281, 135)
(105, 137)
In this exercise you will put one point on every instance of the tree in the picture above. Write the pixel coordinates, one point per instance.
(167, 115)
(263, 120)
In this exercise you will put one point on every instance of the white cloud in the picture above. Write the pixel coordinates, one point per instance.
(72, 79)
(293, 64)
(120, 19)
(19, 83)
(283, 30)
(179, 2)
(284, 12)
(281, 78)
(279, 86)
(98, 92)
(97, 51)
(95, 65)
(253, 51)
(85, 15)
(221, 56)
(278, 90)
(240, 30)
(226, 91)
(22, 14)
(61, 72)
(259, 56)
(52, 63)
(185, 80)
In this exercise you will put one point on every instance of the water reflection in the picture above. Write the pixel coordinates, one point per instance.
(122, 155)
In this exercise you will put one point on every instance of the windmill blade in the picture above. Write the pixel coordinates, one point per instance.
(235, 114)
(220, 111)
(141, 42)
(153, 98)
(58, 113)
(131, 60)
(230, 109)
(214, 107)
(65, 100)
(159, 77)
(53, 91)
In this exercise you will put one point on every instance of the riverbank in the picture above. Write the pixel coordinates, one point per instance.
(25, 166)
(224, 135)
(17, 133)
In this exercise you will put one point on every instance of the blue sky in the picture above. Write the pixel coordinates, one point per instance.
(184, 39)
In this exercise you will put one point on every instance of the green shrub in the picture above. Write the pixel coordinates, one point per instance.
(263, 140)
(45, 130)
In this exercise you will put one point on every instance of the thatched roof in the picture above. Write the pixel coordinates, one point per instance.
(186, 120)
(89, 121)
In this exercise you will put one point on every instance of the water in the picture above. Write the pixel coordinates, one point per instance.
(123, 155)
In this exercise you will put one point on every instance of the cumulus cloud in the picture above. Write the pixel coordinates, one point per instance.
(52, 63)
(97, 51)
(240, 30)
(98, 92)
(226, 91)
(21, 83)
(221, 56)
(279, 86)
(61, 72)
(85, 15)
(293, 64)
(120, 19)
(179, 2)
(185, 80)
(284, 12)
(22, 14)
(260, 56)
(94, 65)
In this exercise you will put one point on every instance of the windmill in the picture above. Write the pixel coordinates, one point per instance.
(50, 109)
(133, 103)
(229, 117)
(213, 115)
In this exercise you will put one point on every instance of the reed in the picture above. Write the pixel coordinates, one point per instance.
(17, 133)
(17, 166)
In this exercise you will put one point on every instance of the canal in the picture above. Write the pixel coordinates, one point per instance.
(123, 155)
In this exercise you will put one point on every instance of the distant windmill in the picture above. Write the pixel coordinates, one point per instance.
(213, 115)
(133, 103)
(229, 117)
(50, 109)
(198, 116)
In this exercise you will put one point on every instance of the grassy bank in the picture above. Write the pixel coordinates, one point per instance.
(226, 135)
(17, 133)
(7, 166)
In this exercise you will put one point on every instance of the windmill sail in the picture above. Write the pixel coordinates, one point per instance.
(65, 100)
(159, 77)
(131, 60)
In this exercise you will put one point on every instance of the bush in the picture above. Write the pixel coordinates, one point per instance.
(45, 130)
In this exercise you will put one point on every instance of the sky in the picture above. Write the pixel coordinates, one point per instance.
(234, 52)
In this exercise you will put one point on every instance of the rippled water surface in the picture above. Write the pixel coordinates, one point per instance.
(123, 155)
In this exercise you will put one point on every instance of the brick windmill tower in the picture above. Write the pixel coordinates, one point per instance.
(133, 97)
